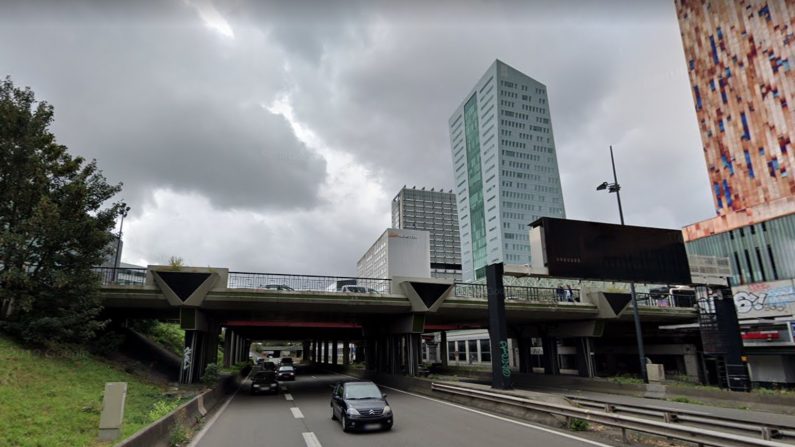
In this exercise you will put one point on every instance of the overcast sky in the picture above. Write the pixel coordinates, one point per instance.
(272, 136)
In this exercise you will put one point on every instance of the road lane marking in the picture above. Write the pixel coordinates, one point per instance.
(297, 413)
(195, 441)
(494, 416)
(288, 396)
(311, 440)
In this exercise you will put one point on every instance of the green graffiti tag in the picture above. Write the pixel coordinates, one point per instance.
(505, 359)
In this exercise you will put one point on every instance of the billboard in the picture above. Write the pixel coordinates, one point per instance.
(592, 250)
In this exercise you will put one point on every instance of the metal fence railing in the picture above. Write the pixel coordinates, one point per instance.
(110, 276)
(288, 282)
(520, 293)
(665, 300)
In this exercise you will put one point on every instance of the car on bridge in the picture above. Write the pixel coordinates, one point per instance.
(358, 289)
(278, 287)
(360, 405)
(264, 382)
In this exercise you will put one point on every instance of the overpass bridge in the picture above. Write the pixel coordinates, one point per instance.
(384, 317)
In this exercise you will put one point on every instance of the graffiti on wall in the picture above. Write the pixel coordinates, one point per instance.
(767, 299)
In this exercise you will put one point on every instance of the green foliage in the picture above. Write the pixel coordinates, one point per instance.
(176, 262)
(626, 379)
(53, 227)
(211, 375)
(686, 400)
(577, 424)
(179, 437)
(53, 397)
(169, 335)
(162, 408)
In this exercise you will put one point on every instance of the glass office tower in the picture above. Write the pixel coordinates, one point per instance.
(505, 168)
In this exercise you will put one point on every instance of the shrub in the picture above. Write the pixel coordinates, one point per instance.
(577, 424)
(211, 375)
(162, 408)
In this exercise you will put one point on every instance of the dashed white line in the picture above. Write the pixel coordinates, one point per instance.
(297, 413)
(311, 440)
(288, 396)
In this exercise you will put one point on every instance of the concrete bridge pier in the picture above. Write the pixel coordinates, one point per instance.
(305, 351)
(346, 352)
(550, 359)
(524, 354)
(443, 353)
(334, 351)
(585, 360)
(201, 344)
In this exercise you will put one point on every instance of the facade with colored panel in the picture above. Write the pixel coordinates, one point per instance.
(740, 57)
(505, 168)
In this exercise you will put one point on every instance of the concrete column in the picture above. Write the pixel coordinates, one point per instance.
(691, 366)
(412, 361)
(524, 355)
(325, 351)
(498, 331)
(227, 348)
(305, 352)
(346, 352)
(443, 351)
(551, 364)
(585, 366)
(193, 357)
(334, 351)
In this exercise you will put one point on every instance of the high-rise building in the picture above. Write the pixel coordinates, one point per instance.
(739, 56)
(435, 212)
(506, 169)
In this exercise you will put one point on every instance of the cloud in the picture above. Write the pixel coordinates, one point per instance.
(271, 136)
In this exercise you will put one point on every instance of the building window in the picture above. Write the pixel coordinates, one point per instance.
(485, 350)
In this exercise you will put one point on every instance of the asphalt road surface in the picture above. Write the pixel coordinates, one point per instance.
(305, 421)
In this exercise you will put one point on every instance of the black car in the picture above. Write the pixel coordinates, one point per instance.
(264, 382)
(286, 373)
(360, 406)
(286, 361)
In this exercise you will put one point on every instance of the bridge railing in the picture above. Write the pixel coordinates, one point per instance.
(110, 276)
(520, 293)
(665, 300)
(315, 283)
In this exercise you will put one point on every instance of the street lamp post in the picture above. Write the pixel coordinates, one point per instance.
(616, 188)
(123, 212)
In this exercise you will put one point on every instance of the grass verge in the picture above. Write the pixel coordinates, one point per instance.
(54, 398)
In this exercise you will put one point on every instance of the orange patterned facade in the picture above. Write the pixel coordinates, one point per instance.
(741, 62)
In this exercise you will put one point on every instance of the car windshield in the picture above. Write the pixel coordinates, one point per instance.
(263, 376)
(285, 368)
(362, 391)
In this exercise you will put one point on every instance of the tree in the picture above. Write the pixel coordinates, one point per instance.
(54, 226)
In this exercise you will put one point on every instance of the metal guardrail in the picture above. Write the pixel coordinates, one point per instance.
(665, 300)
(697, 435)
(110, 276)
(520, 293)
(277, 281)
(766, 431)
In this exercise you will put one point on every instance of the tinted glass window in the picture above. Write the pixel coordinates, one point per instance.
(362, 391)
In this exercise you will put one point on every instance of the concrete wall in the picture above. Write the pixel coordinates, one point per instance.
(772, 368)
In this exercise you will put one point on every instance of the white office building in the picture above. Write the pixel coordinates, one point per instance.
(506, 168)
(397, 252)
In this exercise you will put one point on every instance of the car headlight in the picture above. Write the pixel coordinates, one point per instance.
(387, 410)
(352, 412)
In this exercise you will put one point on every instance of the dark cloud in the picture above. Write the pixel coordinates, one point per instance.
(173, 107)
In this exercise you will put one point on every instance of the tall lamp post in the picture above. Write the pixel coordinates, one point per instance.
(616, 188)
(123, 212)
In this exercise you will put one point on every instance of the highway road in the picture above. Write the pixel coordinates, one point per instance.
(300, 416)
